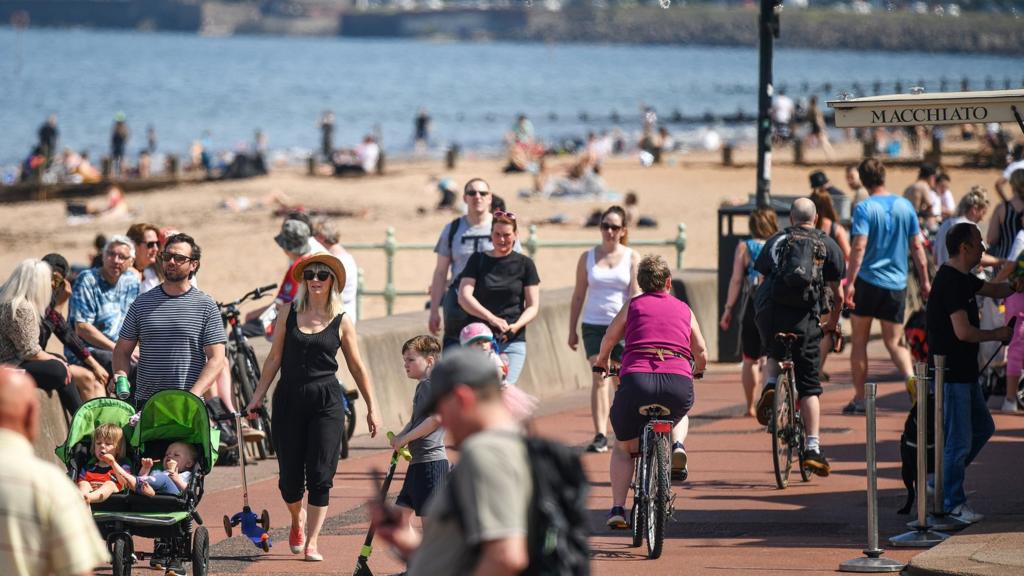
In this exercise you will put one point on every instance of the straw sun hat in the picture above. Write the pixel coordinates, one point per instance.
(326, 259)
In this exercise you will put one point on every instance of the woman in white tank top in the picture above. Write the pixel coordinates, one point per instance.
(605, 281)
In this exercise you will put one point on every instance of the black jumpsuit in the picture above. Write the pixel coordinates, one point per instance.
(308, 412)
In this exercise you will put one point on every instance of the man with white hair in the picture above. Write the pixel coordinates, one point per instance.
(100, 300)
(800, 265)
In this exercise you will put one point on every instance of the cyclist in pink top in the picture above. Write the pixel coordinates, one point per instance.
(664, 352)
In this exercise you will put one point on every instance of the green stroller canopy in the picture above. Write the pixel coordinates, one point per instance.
(89, 417)
(178, 416)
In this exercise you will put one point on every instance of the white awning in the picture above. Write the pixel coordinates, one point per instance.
(928, 109)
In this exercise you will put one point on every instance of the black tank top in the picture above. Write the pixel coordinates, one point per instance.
(1008, 229)
(310, 358)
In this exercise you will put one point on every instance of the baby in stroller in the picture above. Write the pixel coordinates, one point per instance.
(97, 481)
(178, 461)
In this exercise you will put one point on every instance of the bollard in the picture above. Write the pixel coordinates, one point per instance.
(938, 519)
(922, 535)
(311, 165)
(727, 155)
(451, 156)
(872, 560)
(798, 151)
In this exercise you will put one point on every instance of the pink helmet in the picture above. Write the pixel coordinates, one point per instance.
(474, 332)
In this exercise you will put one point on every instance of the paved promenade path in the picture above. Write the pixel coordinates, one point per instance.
(730, 518)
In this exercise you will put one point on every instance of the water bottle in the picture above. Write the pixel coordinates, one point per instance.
(121, 387)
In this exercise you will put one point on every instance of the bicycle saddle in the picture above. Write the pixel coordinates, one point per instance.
(787, 337)
(654, 410)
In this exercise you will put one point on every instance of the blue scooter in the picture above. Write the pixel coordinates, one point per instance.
(254, 528)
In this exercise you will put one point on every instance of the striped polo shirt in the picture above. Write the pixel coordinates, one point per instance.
(172, 332)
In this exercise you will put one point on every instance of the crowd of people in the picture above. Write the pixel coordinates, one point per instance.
(138, 314)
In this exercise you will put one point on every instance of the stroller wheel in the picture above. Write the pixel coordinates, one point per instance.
(227, 526)
(200, 552)
(264, 520)
(121, 556)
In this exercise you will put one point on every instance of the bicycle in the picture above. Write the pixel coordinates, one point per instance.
(786, 426)
(245, 370)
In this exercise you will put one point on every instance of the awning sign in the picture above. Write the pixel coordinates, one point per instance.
(928, 109)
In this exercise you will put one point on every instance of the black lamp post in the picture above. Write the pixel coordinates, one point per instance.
(768, 32)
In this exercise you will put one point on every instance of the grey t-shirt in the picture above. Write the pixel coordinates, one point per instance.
(468, 240)
(429, 448)
(494, 488)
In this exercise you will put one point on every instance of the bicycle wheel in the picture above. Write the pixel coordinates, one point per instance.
(801, 446)
(345, 418)
(254, 377)
(782, 427)
(350, 412)
(636, 515)
(247, 379)
(658, 470)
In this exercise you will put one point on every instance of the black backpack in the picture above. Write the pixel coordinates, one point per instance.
(558, 530)
(798, 279)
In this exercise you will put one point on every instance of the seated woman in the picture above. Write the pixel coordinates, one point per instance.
(664, 351)
(178, 461)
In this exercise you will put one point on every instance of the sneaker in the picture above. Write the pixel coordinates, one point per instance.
(816, 463)
(175, 568)
(160, 553)
(912, 388)
(600, 444)
(617, 518)
(679, 461)
(965, 514)
(764, 405)
(853, 408)
(1009, 407)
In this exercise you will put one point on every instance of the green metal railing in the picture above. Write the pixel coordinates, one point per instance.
(533, 244)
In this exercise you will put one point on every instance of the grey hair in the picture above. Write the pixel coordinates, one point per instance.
(802, 212)
(122, 240)
(325, 229)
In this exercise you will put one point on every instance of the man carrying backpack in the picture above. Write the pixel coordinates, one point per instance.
(512, 505)
(801, 265)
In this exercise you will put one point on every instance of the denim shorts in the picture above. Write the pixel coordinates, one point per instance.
(422, 481)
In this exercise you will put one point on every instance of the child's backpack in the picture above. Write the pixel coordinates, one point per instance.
(558, 529)
(798, 279)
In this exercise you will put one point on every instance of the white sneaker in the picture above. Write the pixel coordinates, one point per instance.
(964, 513)
(1009, 407)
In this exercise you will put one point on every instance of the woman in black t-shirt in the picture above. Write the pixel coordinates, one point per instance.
(501, 288)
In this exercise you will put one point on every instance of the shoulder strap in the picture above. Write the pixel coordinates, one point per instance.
(453, 228)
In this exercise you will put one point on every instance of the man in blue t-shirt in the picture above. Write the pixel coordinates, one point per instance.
(885, 229)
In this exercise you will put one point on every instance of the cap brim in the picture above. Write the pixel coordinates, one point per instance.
(325, 258)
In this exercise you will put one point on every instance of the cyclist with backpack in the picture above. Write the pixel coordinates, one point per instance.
(800, 264)
(513, 505)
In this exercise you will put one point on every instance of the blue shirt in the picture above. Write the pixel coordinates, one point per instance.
(95, 301)
(889, 222)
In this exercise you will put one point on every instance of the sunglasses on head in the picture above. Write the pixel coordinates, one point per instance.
(611, 227)
(504, 214)
(477, 193)
(178, 259)
(321, 275)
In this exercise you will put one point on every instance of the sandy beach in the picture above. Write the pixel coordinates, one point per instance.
(239, 252)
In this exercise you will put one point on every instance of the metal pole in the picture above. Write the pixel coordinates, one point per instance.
(390, 248)
(768, 31)
(680, 246)
(938, 518)
(872, 560)
(922, 536)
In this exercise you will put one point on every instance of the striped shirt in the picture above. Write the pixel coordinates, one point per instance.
(45, 527)
(172, 332)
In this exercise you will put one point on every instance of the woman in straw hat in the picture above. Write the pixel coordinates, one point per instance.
(307, 405)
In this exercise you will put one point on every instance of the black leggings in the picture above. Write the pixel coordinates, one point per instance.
(51, 375)
(307, 425)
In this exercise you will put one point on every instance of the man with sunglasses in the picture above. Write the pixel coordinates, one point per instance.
(100, 300)
(460, 239)
(147, 243)
(177, 328)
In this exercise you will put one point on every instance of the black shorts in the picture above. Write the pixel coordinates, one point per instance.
(750, 338)
(422, 481)
(872, 301)
(673, 391)
(593, 334)
(806, 352)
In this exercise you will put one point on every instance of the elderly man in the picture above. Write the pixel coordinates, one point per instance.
(493, 481)
(100, 299)
(45, 527)
(781, 308)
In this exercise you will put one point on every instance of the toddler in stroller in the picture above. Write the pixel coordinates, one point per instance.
(173, 479)
(97, 480)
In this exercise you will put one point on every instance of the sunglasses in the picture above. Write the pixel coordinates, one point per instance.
(611, 227)
(321, 275)
(153, 244)
(504, 214)
(178, 259)
(477, 193)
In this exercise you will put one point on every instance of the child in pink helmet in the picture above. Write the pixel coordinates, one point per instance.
(478, 335)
